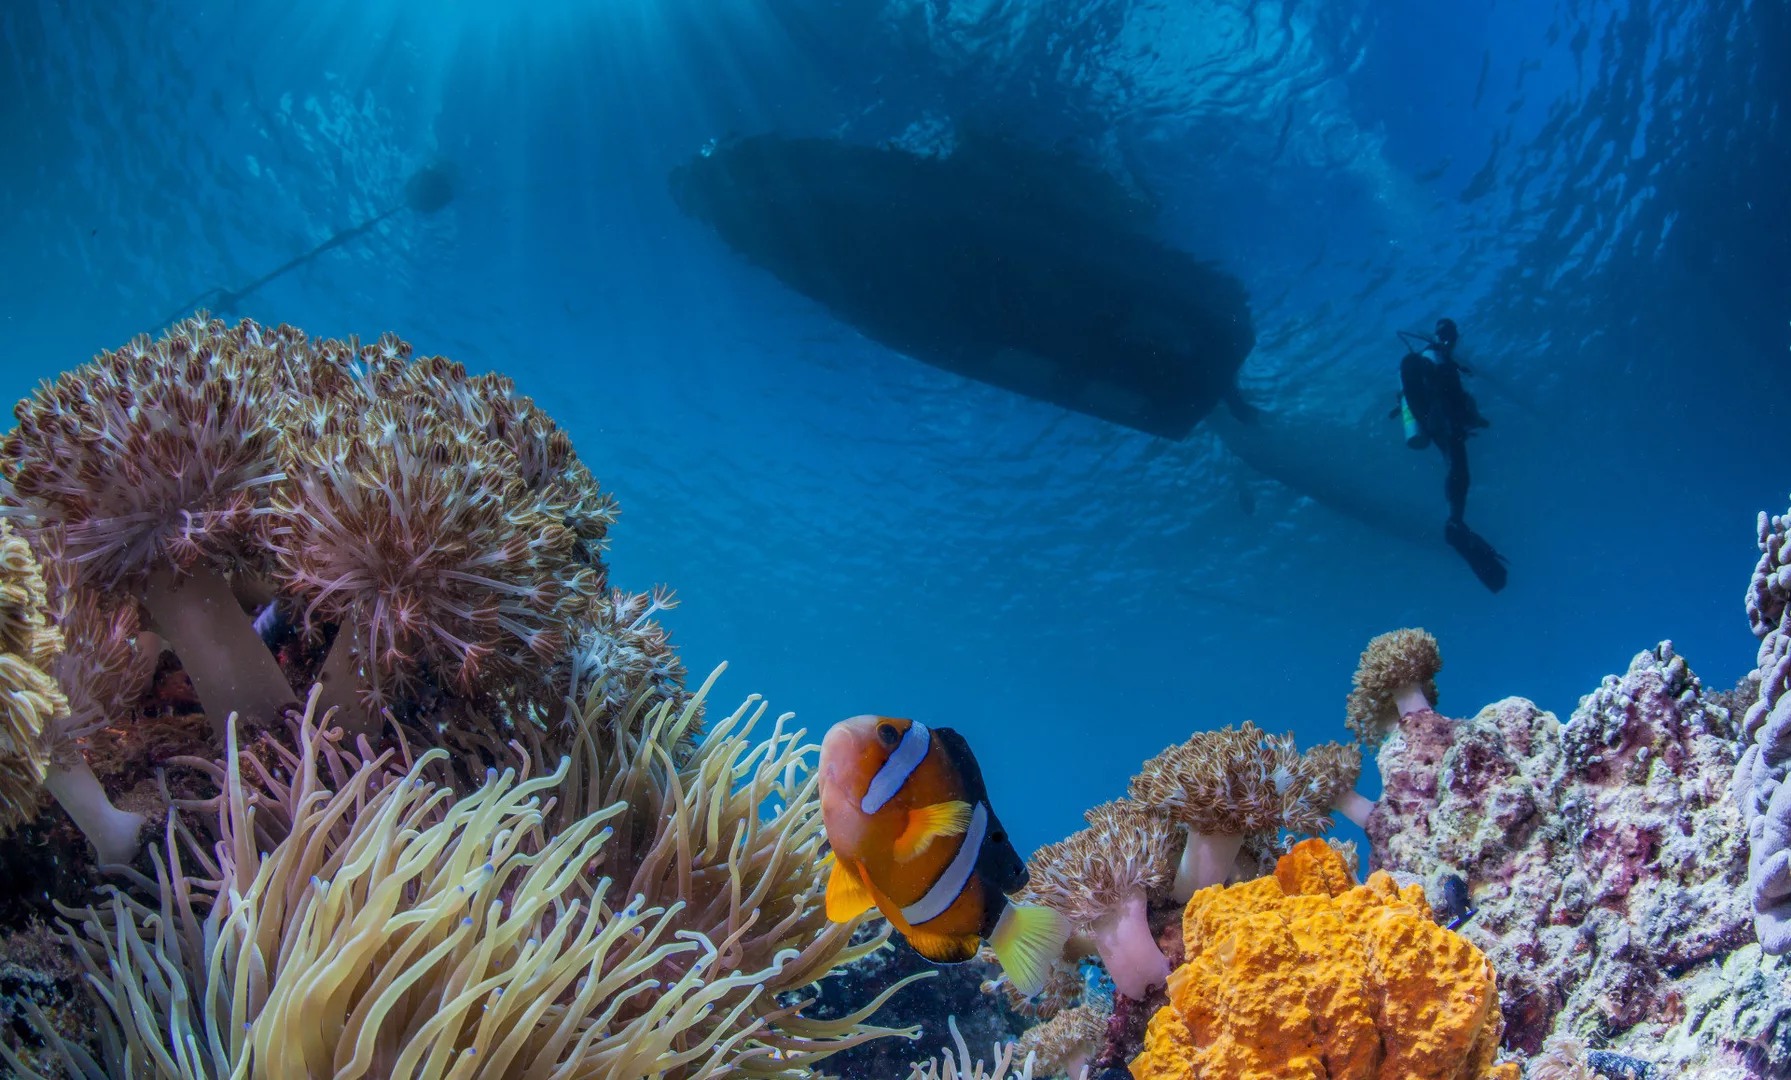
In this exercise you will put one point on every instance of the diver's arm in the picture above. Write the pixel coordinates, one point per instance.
(1446, 360)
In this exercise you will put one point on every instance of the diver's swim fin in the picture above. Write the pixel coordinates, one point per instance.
(1488, 565)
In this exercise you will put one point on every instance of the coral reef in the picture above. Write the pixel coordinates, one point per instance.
(507, 848)
(1606, 867)
(39, 975)
(1761, 790)
(1228, 787)
(1323, 782)
(432, 528)
(1064, 986)
(502, 836)
(1306, 974)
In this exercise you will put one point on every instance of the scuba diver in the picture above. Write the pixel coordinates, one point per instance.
(1437, 408)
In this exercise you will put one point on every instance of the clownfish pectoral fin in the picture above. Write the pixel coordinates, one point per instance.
(944, 948)
(847, 897)
(1028, 941)
(929, 823)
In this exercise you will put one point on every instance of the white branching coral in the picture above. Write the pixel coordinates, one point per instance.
(960, 1066)
(353, 915)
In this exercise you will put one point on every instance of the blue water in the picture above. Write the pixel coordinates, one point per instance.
(1595, 191)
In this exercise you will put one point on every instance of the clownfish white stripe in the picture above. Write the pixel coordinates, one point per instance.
(951, 883)
(909, 753)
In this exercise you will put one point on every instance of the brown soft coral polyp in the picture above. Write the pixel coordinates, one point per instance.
(148, 466)
(1332, 981)
(441, 520)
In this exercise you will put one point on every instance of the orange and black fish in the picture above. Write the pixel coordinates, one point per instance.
(913, 833)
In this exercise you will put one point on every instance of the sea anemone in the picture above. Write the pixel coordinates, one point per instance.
(152, 463)
(1396, 677)
(1220, 786)
(1100, 878)
(729, 831)
(1066, 1043)
(1325, 781)
(351, 915)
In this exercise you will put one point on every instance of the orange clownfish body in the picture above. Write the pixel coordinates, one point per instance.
(913, 834)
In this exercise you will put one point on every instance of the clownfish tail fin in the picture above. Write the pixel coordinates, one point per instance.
(1028, 941)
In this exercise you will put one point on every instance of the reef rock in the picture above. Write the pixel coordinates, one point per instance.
(1306, 974)
(1605, 869)
(1761, 793)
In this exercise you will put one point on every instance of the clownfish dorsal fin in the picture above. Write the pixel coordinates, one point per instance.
(930, 823)
(847, 896)
(944, 948)
(1028, 941)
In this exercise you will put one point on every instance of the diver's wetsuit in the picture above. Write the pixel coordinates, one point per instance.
(1447, 413)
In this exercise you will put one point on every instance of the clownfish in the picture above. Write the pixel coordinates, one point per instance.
(913, 834)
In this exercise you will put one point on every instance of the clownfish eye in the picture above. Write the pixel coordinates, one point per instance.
(887, 734)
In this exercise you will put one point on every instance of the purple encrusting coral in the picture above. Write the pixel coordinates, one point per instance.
(1607, 865)
(1762, 792)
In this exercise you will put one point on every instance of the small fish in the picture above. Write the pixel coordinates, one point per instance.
(1618, 1066)
(274, 625)
(913, 834)
(1456, 907)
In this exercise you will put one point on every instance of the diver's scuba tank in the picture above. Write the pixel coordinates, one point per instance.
(1414, 435)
